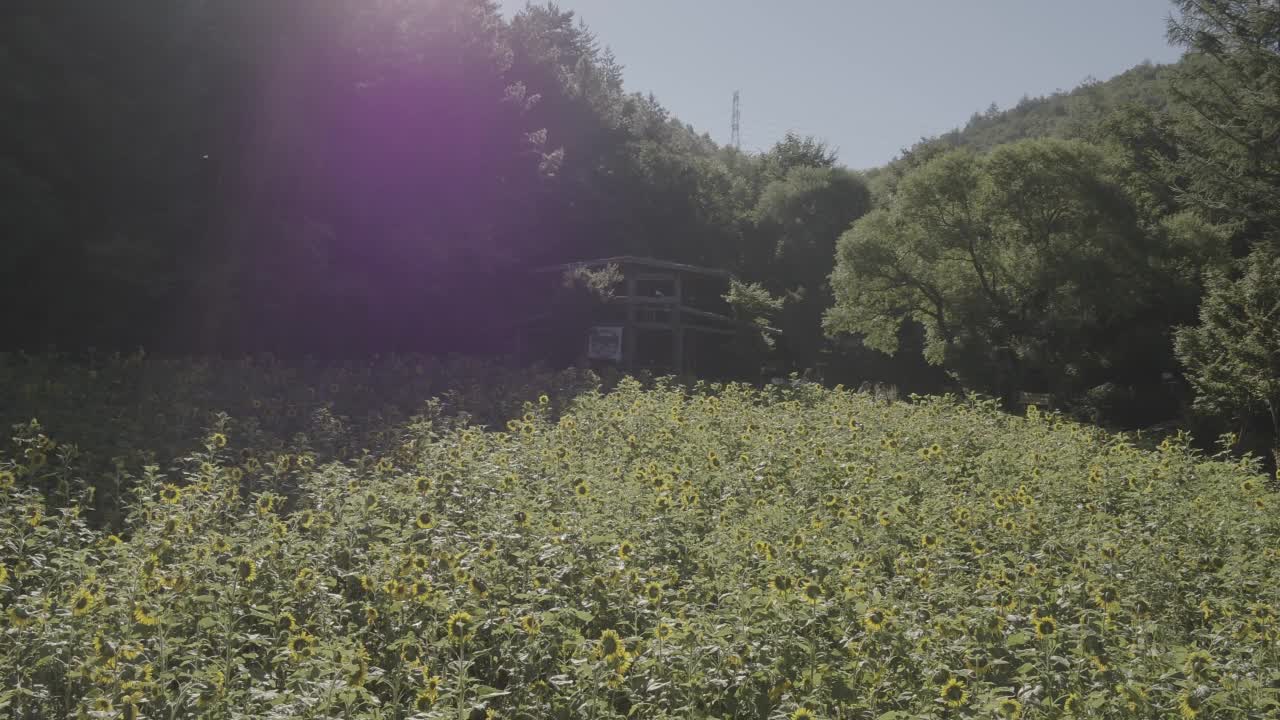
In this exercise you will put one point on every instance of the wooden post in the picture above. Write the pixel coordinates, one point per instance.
(629, 329)
(677, 329)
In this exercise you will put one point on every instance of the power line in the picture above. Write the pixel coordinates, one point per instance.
(735, 137)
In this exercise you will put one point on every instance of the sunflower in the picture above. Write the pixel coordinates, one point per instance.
(265, 503)
(458, 626)
(1189, 705)
(1198, 665)
(625, 550)
(431, 687)
(6, 479)
(611, 646)
(246, 569)
(424, 520)
(144, 614)
(875, 619)
(580, 489)
(953, 693)
(1107, 597)
(411, 653)
(928, 541)
(663, 631)
(20, 617)
(1045, 626)
(803, 713)
(812, 592)
(423, 701)
(478, 586)
(781, 583)
(82, 603)
(653, 591)
(1009, 708)
(170, 493)
(365, 584)
(530, 624)
(301, 643)
(286, 621)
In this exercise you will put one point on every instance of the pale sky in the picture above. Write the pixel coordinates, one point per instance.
(868, 76)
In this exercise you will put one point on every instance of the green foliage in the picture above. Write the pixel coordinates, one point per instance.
(1233, 356)
(752, 301)
(114, 414)
(1228, 112)
(793, 152)
(662, 553)
(1021, 265)
(804, 212)
(1074, 114)
(600, 284)
(1068, 114)
(1227, 126)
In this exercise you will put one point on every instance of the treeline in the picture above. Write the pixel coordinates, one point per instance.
(325, 176)
(320, 176)
(1130, 272)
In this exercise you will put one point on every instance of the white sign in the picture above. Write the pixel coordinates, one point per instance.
(604, 343)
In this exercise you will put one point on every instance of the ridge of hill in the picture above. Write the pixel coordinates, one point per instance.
(1063, 114)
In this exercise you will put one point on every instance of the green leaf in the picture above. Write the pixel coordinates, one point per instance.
(484, 692)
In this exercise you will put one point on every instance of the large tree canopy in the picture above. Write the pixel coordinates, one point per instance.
(1228, 113)
(1027, 267)
(1233, 355)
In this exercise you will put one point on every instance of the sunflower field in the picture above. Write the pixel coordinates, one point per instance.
(654, 551)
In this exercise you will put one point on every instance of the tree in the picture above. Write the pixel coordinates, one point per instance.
(1232, 357)
(795, 151)
(1027, 268)
(1228, 93)
(803, 214)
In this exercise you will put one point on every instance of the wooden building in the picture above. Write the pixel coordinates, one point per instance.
(664, 317)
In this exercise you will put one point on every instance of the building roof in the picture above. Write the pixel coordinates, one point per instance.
(636, 260)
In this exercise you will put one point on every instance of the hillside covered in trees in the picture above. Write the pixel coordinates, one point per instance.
(337, 178)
